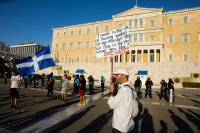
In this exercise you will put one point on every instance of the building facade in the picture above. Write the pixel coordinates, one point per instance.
(166, 44)
(25, 49)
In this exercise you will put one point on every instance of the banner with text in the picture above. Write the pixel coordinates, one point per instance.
(113, 43)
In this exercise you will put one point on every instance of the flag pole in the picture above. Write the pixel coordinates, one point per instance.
(112, 64)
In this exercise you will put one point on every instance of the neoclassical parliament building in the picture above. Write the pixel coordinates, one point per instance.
(166, 44)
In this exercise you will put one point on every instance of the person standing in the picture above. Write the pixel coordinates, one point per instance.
(122, 103)
(5, 78)
(148, 85)
(102, 84)
(163, 89)
(76, 81)
(14, 85)
(170, 85)
(82, 88)
(91, 84)
(138, 85)
(65, 87)
(50, 84)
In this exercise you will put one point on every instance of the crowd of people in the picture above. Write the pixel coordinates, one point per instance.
(121, 98)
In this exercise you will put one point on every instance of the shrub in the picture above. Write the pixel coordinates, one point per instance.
(191, 84)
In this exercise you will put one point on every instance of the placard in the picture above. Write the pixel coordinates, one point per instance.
(113, 43)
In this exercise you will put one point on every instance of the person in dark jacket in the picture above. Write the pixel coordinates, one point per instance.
(50, 84)
(170, 85)
(163, 89)
(91, 84)
(148, 85)
(138, 85)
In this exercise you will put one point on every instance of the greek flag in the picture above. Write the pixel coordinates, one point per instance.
(41, 60)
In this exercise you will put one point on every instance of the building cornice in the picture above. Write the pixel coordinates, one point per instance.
(79, 25)
(181, 10)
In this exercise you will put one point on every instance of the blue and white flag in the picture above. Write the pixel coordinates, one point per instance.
(41, 60)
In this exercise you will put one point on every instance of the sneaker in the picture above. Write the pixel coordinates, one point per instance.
(79, 104)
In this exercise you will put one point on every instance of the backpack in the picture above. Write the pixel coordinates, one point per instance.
(135, 101)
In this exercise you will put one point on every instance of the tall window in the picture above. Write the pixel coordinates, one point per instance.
(120, 25)
(185, 19)
(130, 37)
(135, 38)
(151, 57)
(70, 60)
(170, 21)
(185, 37)
(79, 45)
(141, 37)
(88, 30)
(86, 59)
(72, 33)
(152, 38)
(171, 39)
(77, 59)
(97, 29)
(135, 23)
(63, 45)
(71, 45)
(62, 60)
(141, 23)
(65, 34)
(130, 23)
(57, 34)
(87, 44)
(152, 23)
(79, 32)
(170, 57)
(185, 57)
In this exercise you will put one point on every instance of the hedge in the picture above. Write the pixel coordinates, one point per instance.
(191, 84)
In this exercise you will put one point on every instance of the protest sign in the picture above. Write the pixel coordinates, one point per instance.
(113, 43)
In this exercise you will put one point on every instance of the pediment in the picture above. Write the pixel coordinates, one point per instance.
(137, 11)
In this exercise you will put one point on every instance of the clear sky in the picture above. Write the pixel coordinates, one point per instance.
(33, 20)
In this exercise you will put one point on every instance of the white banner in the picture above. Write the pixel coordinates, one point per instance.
(113, 43)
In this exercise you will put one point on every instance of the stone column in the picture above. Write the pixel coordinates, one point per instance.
(142, 55)
(154, 55)
(136, 53)
(130, 55)
(148, 51)
(161, 55)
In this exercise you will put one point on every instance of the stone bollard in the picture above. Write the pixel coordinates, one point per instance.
(171, 96)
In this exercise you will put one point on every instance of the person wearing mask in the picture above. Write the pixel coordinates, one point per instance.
(14, 85)
(121, 104)
(148, 85)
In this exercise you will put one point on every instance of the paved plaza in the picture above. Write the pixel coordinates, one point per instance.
(37, 113)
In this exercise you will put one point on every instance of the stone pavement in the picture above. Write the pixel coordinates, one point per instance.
(37, 113)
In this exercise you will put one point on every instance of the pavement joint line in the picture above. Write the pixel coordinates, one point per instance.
(56, 119)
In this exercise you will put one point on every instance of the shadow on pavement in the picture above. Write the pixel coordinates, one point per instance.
(164, 127)
(19, 123)
(97, 124)
(147, 122)
(191, 118)
(182, 126)
(69, 121)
